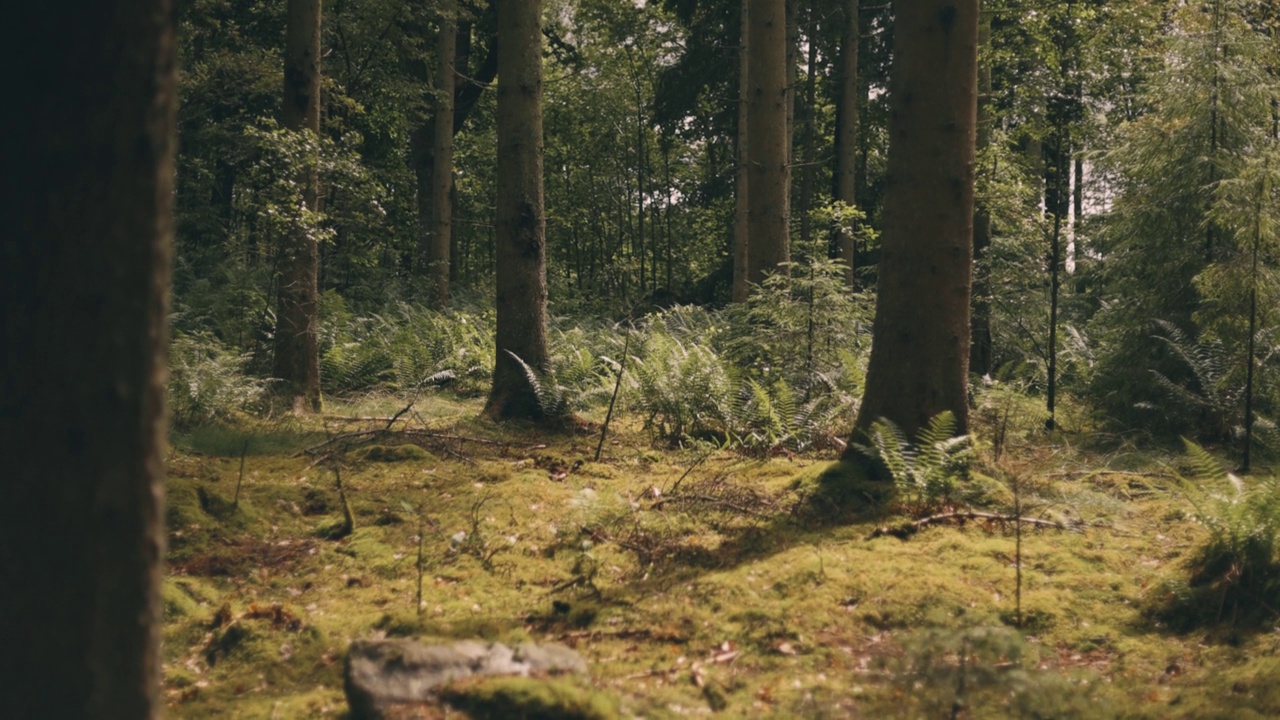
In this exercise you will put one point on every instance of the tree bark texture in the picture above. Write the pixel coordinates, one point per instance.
(741, 218)
(442, 172)
(84, 282)
(920, 343)
(845, 176)
(521, 222)
(981, 346)
(297, 356)
(768, 187)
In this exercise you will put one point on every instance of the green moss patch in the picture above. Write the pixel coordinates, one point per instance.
(530, 699)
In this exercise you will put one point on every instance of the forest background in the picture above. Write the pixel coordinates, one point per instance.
(705, 276)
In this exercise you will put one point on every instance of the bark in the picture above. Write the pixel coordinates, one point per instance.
(810, 120)
(423, 142)
(768, 171)
(845, 175)
(521, 222)
(741, 221)
(297, 356)
(981, 349)
(441, 212)
(919, 362)
(84, 279)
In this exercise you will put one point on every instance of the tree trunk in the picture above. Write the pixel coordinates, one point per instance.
(845, 176)
(84, 282)
(741, 218)
(521, 222)
(981, 348)
(767, 185)
(810, 120)
(441, 212)
(297, 356)
(920, 343)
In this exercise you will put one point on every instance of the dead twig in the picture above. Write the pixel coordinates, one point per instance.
(906, 530)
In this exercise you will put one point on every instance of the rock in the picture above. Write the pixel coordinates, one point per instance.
(386, 678)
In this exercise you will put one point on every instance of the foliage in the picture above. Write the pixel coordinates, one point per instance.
(1235, 572)
(208, 382)
(404, 348)
(928, 473)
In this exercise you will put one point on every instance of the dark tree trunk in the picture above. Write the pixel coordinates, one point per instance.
(919, 363)
(769, 168)
(521, 225)
(84, 282)
(297, 355)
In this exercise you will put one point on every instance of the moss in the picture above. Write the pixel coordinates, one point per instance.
(530, 699)
(393, 453)
(838, 491)
(805, 599)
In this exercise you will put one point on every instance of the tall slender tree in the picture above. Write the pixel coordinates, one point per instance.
(844, 177)
(84, 282)
(297, 354)
(981, 345)
(769, 168)
(441, 219)
(920, 342)
(521, 336)
(742, 175)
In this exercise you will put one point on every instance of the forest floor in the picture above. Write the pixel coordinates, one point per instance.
(693, 581)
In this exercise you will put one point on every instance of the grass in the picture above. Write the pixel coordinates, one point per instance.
(722, 588)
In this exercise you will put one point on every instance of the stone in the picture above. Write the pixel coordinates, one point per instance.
(388, 678)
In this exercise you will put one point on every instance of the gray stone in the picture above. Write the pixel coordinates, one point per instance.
(391, 676)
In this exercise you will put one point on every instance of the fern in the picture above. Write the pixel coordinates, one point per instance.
(1237, 569)
(925, 473)
(552, 397)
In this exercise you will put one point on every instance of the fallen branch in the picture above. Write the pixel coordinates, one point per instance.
(708, 500)
(906, 530)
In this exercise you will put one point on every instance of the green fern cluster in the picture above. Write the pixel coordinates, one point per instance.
(405, 348)
(927, 473)
(1235, 572)
(208, 381)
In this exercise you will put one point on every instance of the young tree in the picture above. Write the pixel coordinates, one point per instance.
(920, 342)
(769, 168)
(84, 278)
(297, 356)
(521, 335)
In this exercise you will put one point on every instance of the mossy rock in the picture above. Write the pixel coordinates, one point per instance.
(839, 491)
(530, 699)
(393, 453)
(186, 597)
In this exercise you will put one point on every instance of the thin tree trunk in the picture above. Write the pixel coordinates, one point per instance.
(84, 283)
(810, 112)
(845, 176)
(521, 226)
(297, 357)
(741, 217)
(919, 362)
(981, 348)
(768, 185)
(441, 214)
